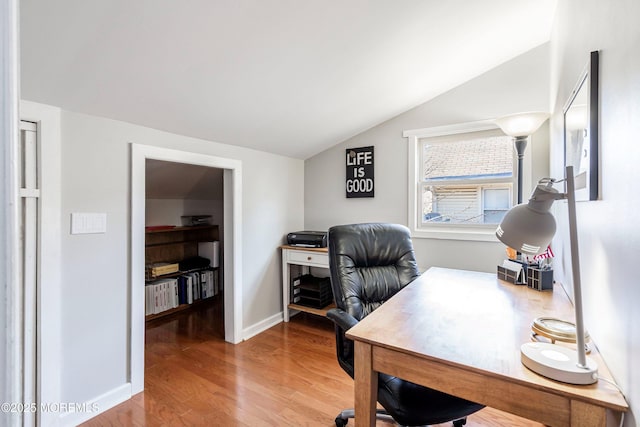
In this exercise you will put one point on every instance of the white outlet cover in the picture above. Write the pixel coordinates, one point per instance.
(88, 223)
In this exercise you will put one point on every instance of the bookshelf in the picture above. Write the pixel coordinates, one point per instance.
(168, 244)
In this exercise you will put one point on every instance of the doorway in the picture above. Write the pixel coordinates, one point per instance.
(232, 245)
(179, 196)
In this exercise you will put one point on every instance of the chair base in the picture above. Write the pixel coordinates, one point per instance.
(343, 418)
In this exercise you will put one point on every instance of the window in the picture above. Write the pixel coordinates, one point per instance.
(467, 178)
(496, 204)
(462, 180)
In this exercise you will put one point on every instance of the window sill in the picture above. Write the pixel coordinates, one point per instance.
(457, 232)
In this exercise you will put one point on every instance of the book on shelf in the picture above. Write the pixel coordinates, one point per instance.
(205, 284)
(161, 295)
(167, 293)
(156, 269)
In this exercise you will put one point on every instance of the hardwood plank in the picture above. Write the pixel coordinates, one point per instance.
(285, 376)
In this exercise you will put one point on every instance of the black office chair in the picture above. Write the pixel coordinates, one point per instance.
(369, 263)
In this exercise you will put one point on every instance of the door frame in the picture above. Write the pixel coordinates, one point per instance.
(232, 250)
(48, 292)
(10, 318)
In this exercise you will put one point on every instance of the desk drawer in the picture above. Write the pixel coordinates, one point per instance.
(308, 257)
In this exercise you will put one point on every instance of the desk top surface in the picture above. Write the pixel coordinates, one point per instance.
(304, 248)
(476, 322)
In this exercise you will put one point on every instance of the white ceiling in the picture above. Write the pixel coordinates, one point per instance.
(291, 77)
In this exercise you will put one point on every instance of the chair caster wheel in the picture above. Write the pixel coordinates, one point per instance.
(341, 422)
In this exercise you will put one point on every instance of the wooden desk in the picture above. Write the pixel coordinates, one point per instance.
(460, 332)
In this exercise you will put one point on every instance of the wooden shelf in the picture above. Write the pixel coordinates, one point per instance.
(177, 242)
(316, 311)
(173, 245)
(186, 228)
(179, 308)
(178, 273)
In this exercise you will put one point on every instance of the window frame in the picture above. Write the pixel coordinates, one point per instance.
(444, 230)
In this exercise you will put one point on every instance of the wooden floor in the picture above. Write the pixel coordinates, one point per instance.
(285, 376)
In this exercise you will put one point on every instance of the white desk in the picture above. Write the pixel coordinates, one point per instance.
(307, 257)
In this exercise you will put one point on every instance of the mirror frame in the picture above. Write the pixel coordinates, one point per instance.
(589, 81)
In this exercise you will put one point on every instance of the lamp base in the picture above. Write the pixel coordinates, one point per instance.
(558, 363)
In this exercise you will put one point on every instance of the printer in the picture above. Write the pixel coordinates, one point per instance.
(308, 239)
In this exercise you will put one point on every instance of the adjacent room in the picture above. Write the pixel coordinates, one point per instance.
(272, 212)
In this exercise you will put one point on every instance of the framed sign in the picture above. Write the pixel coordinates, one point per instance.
(359, 176)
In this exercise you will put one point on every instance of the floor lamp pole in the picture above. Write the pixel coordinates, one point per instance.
(521, 144)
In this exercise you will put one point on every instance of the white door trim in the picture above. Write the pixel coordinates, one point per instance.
(29, 202)
(232, 246)
(48, 325)
(10, 296)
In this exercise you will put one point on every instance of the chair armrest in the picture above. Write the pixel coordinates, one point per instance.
(341, 318)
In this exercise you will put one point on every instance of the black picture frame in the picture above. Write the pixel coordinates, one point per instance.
(359, 179)
(581, 131)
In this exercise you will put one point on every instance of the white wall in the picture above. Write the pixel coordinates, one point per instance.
(95, 268)
(608, 230)
(519, 85)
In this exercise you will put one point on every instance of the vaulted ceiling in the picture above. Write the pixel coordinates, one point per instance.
(291, 77)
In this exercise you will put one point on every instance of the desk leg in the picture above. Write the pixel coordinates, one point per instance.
(366, 386)
(583, 414)
(286, 281)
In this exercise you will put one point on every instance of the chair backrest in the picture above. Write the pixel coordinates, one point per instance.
(369, 263)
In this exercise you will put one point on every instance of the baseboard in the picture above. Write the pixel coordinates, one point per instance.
(261, 326)
(78, 413)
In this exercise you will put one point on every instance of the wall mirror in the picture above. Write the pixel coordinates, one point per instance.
(581, 132)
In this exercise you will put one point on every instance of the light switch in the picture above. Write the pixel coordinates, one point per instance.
(88, 223)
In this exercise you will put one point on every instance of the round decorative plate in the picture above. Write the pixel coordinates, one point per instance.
(556, 329)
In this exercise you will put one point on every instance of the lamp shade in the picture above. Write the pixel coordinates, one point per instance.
(526, 230)
(529, 227)
(522, 124)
